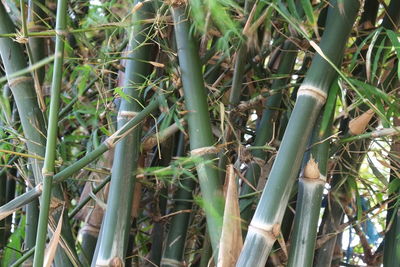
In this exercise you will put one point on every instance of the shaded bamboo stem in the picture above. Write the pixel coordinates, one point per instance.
(391, 255)
(201, 139)
(176, 238)
(264, 132)
(112, 243)
(50, 155)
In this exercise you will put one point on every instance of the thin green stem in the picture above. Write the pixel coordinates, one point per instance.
(50, 155)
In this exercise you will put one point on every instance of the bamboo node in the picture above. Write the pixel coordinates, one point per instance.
(18, 80)
(109, 142)
(46, 173)
(266, 230)
(127, 114)
(276, 229)
(60, 32)
(201, 151)
(39, 187)
(171, 262)
(94, 231)
(312, 91)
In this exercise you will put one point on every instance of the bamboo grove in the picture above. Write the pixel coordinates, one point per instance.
(200, 133)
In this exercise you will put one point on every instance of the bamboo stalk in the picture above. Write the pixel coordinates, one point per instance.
(112, 244)
(264, 132)
(52, 132)
(36, 49)
(311, 186)
(265, 225)
(36, 15)
(201, 139)
(235, 91)
(160, 206)
(173, 254)
(332, 217)
(30, 115)
(391, 255)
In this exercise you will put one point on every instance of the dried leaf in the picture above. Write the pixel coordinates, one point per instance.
(231, 242)
(52, 247)
(359, 124)
(157, 64)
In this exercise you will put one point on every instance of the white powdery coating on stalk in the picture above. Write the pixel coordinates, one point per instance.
(259, 233)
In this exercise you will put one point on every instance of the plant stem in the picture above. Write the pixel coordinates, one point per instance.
(175, 245)
(201, 139)
(309, 197)
(265, 225)
(112, 244)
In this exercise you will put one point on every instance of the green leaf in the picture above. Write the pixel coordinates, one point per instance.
(14, 246)
(396, 45)
(308, 10)
(394, 186)
(329, 108)
(119, 91)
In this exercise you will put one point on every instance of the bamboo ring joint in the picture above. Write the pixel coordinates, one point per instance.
(266, 230)
(60, 32)
(171, 262)
(201, 151)
(312, 91)
(109, 142)
(320, 180)
(90, 229)
(127, 114)
(18, 80)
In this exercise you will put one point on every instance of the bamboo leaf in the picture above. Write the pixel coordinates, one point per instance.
(394, 38)
(329, 108)
(308, 10)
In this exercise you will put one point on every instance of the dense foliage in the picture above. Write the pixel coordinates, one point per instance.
(199, 132)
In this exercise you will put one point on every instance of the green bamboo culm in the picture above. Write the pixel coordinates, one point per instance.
(264, 132)
(36, 49)
(311, 186)
(265, 225)
(391, 252)
(36, 16)
(112, 244)
(201, 139)
(173, 254)
(50, 155)
(31, 116)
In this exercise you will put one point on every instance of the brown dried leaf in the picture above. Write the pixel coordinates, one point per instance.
(231, 242)
(52, 246)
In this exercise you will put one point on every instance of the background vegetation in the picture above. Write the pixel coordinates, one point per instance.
(199, 133)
